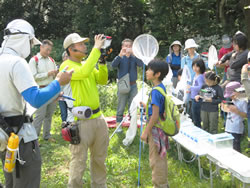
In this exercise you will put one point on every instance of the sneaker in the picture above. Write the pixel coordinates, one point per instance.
(120, 128)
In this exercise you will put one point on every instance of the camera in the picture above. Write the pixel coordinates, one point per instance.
(107, 42)
(226, 104)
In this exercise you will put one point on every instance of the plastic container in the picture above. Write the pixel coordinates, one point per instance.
(222, 140)
(206, 94)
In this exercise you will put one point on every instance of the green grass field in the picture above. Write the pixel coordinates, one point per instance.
(122, 165)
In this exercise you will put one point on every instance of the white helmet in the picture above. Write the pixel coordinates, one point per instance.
(190, 43)
(20, 26)
(19, 36)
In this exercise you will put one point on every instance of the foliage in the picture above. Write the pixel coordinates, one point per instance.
(166, 20)
(108, 98)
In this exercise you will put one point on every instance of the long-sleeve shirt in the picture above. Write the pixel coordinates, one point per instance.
(85, 79)
(127, 65)
(174, 62)
(186, 60)
(246, 82)
(41, 68)
(235, 64)
(217, 97)
(224, 51)
(197, 84)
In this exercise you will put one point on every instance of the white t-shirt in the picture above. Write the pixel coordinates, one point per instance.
(15, 77)
(234, 123)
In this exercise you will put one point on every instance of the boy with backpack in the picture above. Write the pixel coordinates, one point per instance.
(153, 135)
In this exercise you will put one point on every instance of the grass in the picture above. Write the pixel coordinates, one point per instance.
(122, 164)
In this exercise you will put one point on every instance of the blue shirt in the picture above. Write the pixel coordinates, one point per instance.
(175, 63)
(157, 99)
(127, 65)
(188, 61)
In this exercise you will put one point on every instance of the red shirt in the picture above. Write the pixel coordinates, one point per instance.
(224, 51)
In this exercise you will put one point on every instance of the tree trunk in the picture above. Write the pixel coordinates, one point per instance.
(246, 3)
(222, 14)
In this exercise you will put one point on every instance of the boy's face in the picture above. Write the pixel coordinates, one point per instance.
(150, 75)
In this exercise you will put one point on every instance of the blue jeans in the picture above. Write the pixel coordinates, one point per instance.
(63, 109)
(123, 99)
(196, 112)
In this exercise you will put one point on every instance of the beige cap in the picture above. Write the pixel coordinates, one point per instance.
(72, 39)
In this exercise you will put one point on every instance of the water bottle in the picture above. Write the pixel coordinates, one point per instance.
(11, 153)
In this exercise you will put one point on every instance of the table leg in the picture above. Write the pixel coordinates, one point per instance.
(211, 173)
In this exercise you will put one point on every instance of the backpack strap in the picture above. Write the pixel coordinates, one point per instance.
(36, 58)
(52, 59)
(160, 90)
(150, 98)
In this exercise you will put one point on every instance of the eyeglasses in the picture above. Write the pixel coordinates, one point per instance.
(8, 32)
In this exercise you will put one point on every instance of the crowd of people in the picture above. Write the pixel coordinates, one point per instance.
(40, 80)
(206, 91)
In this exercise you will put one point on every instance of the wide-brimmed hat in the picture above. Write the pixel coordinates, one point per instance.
(72, 39)
(226, 41)
(230, 88)
(190, 43)
(176, 43)
(20, 26)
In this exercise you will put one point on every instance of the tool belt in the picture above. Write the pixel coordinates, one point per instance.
(8, 123)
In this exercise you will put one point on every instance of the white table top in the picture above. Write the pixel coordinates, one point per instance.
(233, 161)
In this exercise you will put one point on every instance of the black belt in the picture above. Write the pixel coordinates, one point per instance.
(96, 111)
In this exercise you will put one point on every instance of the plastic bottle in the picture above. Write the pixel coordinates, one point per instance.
(10, 158)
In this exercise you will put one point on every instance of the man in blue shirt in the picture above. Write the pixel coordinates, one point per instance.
(126, 62)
